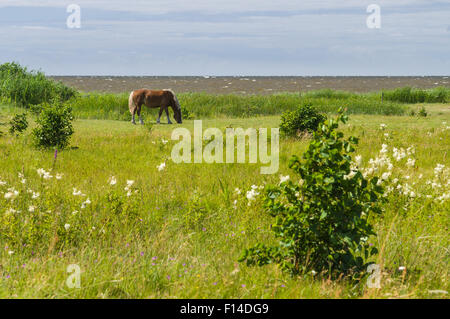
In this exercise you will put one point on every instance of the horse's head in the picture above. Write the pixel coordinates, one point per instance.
(176, 108)
(177, 115)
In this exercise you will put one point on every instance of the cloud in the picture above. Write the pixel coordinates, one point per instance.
(175, 37)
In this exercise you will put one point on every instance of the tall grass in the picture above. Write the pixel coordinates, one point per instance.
(410, 95)
(100, 106)
(203, 105)
(25, 88)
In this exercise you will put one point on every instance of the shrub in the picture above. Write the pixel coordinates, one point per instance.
(322, 221)
(19, 124)
(54, 127)
(422, 112)
(304, 119)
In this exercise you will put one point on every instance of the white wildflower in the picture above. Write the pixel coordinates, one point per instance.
(84, 204)
(47, 175)
(77, 192)
(112, 181)
(358, 160)
(161, 167)
(284, 178)
(11, 194)
(385, 176)
(11, 211)
(411, 162)
(251, 195)
(31, 209)
(411, 150)
(350, 175)
(67, 226)
(438, 169)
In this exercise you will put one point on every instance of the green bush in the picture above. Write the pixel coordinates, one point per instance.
(305, 119)
(19, 124)
(423, 112)
(25, 88)
(321, 222)
(54, 127)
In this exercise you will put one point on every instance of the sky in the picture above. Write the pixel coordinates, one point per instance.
(228, 37)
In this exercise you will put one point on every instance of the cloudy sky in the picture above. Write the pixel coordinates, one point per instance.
(228, 37)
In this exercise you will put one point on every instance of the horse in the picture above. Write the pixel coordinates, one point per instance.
(153, 99)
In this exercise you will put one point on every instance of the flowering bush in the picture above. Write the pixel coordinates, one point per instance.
(321, 221)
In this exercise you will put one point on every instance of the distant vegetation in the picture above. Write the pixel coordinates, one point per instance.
(25, 88)
(410, 95)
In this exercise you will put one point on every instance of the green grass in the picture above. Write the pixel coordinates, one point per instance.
(201, 105)
(184, 214)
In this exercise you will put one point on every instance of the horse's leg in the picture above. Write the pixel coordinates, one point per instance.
(139, 114)
(133, 115)
(167, 113)
(159, 115)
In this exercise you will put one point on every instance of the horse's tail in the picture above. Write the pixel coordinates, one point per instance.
(131, 104)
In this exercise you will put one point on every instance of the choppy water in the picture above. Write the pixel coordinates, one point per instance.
(248, 85)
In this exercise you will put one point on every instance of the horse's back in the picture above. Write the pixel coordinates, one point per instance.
(150, 98)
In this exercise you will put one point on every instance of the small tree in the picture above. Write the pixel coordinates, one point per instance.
(305, 119)
(54, 127)
(321, 221)
(19, 124)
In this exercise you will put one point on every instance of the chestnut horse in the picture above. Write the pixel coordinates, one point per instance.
(153, 99)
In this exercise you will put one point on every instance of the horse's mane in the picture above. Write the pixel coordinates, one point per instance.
(178, 106)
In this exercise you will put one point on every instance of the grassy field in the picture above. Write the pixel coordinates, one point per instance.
(179, 233)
